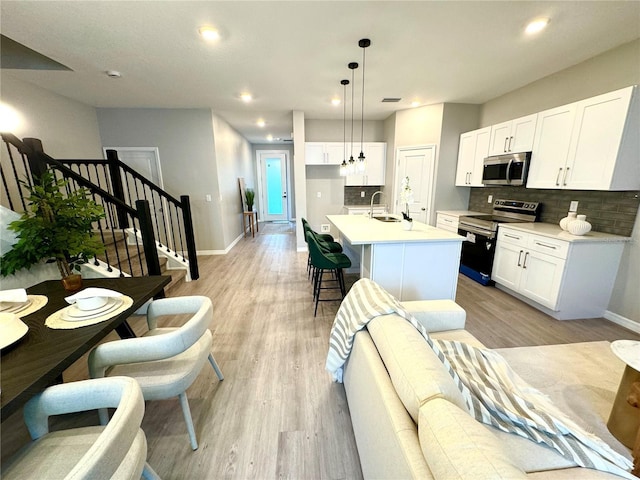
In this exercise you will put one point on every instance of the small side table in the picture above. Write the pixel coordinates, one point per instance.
(624, 419)
(251, 224)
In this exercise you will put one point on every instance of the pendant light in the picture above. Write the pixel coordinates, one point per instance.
(363, 43)
(343, 165)
(352, 162)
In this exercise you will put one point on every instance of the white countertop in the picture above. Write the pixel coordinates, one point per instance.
(459, 213)
(361, 230)
(554, 231)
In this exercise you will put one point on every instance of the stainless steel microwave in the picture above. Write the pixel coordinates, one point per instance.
(509, 169)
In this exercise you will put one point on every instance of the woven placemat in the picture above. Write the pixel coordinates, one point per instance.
(34, 303)
(56, 320)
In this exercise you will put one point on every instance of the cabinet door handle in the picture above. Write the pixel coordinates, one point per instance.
(519, 258)
(558, 177)
(447, 220)
(566, 171)
(510, 139)
(506, 139)
(553, 247)
(469, 181)
(524, 264)
(512, 236)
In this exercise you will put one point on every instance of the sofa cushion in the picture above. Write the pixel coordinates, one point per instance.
(416, 372)
(437, 315)
(457, 447)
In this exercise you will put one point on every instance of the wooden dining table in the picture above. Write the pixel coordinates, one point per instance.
(38, 359)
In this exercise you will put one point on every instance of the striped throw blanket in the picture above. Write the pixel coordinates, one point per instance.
(493, 393)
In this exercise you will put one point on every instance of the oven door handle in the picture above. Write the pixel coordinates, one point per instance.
(484, 233)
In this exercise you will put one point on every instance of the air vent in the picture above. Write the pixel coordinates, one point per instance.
(391, 100)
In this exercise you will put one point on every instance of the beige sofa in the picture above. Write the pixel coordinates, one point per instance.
(408, 416)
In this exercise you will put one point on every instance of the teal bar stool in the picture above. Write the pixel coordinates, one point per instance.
(322, 262)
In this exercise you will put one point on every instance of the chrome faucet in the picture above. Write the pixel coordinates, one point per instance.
(372, 197)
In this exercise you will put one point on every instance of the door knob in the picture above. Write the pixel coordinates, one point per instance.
(423, 209)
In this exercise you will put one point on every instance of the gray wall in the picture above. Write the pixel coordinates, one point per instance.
(68, 129)
(612, 70)
(332, 131)
(439, 125)
(185, 141)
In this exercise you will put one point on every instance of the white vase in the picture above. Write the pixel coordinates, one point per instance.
(580, 226)
(564, 223)
(407, 225)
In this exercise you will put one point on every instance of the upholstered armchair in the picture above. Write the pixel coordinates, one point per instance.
(165, 361)
(117, 450)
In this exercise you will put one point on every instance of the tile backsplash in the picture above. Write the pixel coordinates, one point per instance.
(352, 196)
(609, 212)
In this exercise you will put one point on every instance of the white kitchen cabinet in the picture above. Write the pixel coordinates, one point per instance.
(588, 145)
(566, 279)
(520, 266)
(375, 160)
(551, 147)
(474, 147)
(447, 222)
(513, 136)
(365, 209)
(323, 153)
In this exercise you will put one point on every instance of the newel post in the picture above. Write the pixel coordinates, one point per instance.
(190, 237)
(116, 185)
(35, 154)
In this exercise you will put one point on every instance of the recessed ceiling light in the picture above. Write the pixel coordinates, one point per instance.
(270, 137)
(336, 101)
(246, 97)
(536, 25)
(210, 34)
(113, 74)
(261, 123)
(415, 103)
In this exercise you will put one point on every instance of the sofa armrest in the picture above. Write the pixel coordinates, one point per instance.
(437, 315)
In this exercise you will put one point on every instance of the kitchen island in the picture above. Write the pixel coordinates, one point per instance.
(417, 264)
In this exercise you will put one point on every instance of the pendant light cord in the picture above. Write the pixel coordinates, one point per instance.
(352, 84)
(362, 107)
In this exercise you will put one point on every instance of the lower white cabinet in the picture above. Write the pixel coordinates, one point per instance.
(565, 279)
(521, 267)
(447, 222)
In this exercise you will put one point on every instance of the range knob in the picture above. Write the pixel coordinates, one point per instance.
(526, 205)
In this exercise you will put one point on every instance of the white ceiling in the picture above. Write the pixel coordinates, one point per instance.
(291, 55)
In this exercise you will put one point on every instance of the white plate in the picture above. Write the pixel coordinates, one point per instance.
(74, 314)
(14, 307)
(12, 329)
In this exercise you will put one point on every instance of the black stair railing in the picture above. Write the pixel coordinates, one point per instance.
(171, 217)
(24, 161)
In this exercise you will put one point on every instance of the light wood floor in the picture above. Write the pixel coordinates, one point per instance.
(277, 414)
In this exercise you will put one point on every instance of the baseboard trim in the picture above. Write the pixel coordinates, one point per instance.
(221, 252)
(622, 321)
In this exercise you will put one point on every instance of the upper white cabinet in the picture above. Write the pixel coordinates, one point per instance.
(323, 153)
(592, 144)
(513, 136)
(375, 160)
(474, 147)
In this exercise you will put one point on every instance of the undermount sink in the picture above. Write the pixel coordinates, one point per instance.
(386, 218)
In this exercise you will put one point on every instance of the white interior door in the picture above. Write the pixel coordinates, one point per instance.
(146, 161)
(418, 164)
(274, 179)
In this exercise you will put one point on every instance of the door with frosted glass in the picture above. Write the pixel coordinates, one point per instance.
(274, 194)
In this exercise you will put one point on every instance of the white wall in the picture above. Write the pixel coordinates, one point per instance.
(299, 180)
(332, 131)
(185, 141)
(612, 70)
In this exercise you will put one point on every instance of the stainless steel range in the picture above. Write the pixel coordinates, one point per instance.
(481, 230)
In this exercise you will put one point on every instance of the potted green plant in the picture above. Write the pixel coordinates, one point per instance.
(249, 196)
(57, 228)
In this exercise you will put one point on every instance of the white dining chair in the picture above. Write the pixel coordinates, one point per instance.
(165, 361)
(117, 450)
